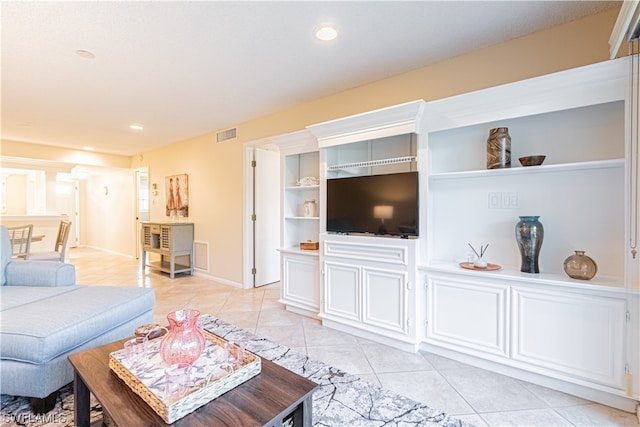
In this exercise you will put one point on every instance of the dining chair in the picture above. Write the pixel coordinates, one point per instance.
(20, 237)
(60, 248)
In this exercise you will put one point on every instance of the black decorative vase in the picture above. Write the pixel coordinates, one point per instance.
(529, 235)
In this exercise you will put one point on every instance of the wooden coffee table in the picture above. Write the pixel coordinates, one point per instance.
(267, 399)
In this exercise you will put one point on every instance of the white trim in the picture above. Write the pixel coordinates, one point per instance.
(629, 15)
(390, 121)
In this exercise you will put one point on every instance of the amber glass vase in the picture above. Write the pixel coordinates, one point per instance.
(580, 266)
(184, 342)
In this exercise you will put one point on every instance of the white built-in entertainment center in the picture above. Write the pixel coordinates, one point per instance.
(577, 336)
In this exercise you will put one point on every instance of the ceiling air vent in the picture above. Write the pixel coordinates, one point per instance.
(227, 135)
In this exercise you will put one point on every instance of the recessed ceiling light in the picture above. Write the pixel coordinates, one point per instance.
(85, 54)
(87, 148)
(136, 127)
(326, 33)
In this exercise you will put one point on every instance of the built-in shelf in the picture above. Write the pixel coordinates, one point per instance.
(296, 250)
(299, 269)
(515, 275)
(303, 217)
(564, 167)
(302, 187)
(370, 163)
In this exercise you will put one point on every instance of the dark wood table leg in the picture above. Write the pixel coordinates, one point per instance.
(82, 403)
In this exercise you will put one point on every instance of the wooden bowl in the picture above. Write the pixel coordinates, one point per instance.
(531, 160)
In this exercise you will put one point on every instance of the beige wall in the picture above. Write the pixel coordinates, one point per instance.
(216, 170)
(215, 196)
(107, 212)
(16, 201)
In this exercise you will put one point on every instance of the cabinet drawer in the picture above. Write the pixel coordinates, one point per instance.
(390, 254)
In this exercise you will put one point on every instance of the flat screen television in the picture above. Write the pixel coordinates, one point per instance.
(375, 204)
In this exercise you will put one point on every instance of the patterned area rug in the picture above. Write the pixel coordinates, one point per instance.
(341, 400)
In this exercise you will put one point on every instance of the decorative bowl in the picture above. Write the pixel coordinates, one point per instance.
(532, 160)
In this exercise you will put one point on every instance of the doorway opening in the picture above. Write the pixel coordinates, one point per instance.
(262, 215)
(142, 204)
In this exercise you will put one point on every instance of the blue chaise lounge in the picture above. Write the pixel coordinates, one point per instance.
(45, 316)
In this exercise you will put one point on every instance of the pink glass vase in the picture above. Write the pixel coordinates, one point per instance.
(184, 342)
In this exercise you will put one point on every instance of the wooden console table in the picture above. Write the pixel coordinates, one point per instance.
(170, 240)
(268, 399)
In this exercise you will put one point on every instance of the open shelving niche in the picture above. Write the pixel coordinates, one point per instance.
(585, 194)
(299, 269)
(300, 159)
(578, 192)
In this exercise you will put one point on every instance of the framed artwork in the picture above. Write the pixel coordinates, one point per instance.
(177, 195)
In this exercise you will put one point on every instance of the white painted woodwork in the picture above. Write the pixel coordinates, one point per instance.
(466, 316)
(300, 287)
(300, 271)
(547, 328)
(385, 299)
(369, 287)
(391, 121)
(342, 291)
(365, 251)
(575, 336)
(267, 211)
(572, 333)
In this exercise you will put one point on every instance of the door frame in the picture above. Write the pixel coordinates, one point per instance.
(136, 179)
(247, 209)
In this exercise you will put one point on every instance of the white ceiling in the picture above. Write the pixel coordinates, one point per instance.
(183, 69)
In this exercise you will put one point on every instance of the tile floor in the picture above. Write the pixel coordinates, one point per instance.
(477, 396)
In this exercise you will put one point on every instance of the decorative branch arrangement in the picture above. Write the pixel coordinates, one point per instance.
(482, 250)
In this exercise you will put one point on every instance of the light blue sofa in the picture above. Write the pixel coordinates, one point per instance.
(45, 316)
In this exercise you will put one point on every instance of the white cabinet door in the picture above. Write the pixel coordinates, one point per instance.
(300, 282)
(465, 315)
(385, 299)
(342, 290)
(570, 333)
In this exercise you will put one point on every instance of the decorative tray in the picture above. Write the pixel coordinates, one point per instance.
(147, 378)
(471, 266)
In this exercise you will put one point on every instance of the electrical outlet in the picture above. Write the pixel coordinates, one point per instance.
(510, 201)
(495, 200)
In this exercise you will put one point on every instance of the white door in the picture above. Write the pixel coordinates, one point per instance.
(266, 208)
